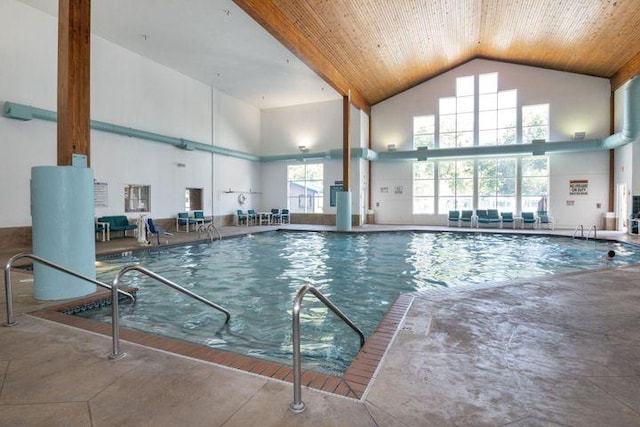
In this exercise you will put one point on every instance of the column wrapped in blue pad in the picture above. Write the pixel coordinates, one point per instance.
(62, 213)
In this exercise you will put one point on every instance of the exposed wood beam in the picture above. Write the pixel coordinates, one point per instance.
(626, 72)
(74, 38)
(265, 13)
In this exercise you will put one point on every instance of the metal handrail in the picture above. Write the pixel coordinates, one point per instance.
(208, 230)
(7, 280)
(581, 231)
(298, 405)
(595, 232)
(115, 319)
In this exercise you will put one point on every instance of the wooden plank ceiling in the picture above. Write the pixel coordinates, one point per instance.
(379, 48)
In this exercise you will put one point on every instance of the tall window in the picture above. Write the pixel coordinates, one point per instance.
(535, 181)
(137, 198)
(497, 117)
(506, 184)
(456, 115)
(305, 185)
(455, 185)
(423, 188)
(423, 131)
(535, 122)
(497, 184)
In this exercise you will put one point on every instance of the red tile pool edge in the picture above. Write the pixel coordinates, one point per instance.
(352, 384)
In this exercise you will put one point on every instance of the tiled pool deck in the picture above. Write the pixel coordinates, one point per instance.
(561, 350)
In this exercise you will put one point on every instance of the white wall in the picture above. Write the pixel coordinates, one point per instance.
(127, 90)
(317, 126)
(577, 103)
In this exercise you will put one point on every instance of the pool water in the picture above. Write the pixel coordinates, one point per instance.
(256, 279)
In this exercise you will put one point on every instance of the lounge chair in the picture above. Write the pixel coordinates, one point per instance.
(544, 218)
(507, 218)
(454, 216)
(284, 215)
(242, 217)
(467, 216)
(528, 218)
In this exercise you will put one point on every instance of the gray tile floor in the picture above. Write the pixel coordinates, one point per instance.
(563, 350)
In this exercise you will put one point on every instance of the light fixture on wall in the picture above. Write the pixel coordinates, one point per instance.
(181, 165)
(303, 148)
(579, 136)
(391, 147)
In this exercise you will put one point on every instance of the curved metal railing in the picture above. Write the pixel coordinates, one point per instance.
(298, 405)
(581, 228)
(593, 227)
(7, 281)
(115, 318)
(207, 228)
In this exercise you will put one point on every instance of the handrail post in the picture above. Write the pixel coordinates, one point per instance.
(7, 288)
(115, 321)
(298, 406)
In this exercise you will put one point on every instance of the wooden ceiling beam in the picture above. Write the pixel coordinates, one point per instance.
(626, 72)
(269, 16)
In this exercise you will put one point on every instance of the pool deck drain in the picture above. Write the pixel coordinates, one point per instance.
(352, 384)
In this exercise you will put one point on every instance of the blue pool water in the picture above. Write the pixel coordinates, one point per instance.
(257, 277)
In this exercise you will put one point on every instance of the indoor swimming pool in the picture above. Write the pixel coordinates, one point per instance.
(256, 278)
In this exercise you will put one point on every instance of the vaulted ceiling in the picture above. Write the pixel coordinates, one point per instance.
(379, 48)
(372, 48)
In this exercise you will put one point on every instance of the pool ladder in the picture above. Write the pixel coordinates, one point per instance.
(7, 281)
(209, 228)
(581, 228)
(298, 405)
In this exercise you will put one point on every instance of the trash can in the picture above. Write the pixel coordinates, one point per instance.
(610, 221)
(371, 217)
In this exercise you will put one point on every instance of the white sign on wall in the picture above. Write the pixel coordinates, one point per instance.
(100, 194)
(579, 187)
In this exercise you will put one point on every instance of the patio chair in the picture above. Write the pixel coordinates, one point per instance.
(183, 220)
(284, 215)
(466, 217)
(242, 217)
(454, 216)
(252, 217)
(545, 218)
(528, 218)
(275, 216)
(199, 217)
(507, 218)
(481, 215)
